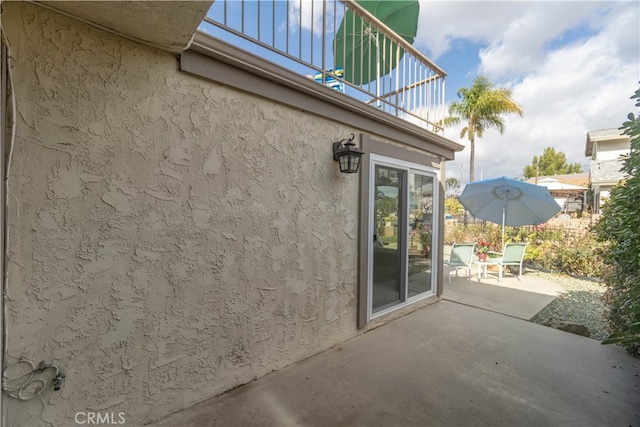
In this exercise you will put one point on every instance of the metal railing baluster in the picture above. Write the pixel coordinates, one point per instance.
(412, 88)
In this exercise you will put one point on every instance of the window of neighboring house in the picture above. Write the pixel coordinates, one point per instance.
(400, 229)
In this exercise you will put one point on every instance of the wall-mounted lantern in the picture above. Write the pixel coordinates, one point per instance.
(347, 155)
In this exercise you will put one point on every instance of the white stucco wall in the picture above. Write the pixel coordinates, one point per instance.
(169, 238)
(608, 150)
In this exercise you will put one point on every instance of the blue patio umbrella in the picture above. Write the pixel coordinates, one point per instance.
(510, 202)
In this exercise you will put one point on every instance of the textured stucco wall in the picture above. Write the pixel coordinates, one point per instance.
(169, 238)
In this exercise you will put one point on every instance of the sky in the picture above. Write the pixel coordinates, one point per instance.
(571, 65)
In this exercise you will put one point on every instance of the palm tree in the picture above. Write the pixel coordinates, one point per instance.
(482, 106)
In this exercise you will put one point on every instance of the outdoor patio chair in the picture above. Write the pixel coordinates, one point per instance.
(461, 256)
(513, 254)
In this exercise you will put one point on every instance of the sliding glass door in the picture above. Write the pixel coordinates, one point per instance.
(402, 231)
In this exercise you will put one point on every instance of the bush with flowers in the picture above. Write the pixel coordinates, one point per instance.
(556, 249)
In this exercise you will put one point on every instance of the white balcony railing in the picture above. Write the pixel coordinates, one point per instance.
(310, 38)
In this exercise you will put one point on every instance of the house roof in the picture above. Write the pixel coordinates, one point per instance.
(554, 184)
(578, 179)
(168, 25)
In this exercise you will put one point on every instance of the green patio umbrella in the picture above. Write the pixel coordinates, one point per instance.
(362, 55)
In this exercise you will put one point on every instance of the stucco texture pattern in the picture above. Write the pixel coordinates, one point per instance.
(169, 238)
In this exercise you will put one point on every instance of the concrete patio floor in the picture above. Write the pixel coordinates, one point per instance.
(512, 297)
(468, 360)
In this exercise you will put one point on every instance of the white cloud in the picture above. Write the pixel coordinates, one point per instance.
(308, 14)
(521, 46)
(442, 23)
(571, 65)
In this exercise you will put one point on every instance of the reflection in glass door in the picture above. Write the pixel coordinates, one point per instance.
(420, 233)
(402, 227)
(387, 240)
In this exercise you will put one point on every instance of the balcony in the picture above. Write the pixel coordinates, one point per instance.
(339, 44)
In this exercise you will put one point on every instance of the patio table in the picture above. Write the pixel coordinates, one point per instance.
(482, 266)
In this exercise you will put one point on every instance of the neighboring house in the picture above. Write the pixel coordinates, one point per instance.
(176, 223)
(568, 190)
(605, 147)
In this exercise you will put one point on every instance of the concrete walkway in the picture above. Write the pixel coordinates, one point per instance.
(449, 364)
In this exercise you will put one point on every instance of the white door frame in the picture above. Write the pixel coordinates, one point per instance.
(409, 167)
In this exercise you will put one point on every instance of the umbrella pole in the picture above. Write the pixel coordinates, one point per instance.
(504, 208)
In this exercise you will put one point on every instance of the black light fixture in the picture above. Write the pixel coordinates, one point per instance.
(347, 155)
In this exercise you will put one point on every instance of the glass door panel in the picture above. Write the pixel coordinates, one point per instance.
(420, 233)
(388, 238)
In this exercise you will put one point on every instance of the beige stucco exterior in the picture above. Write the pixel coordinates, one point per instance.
(170, 237)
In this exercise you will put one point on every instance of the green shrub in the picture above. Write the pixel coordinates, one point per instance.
(580, 256)
(620, 227)
(453, 206)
